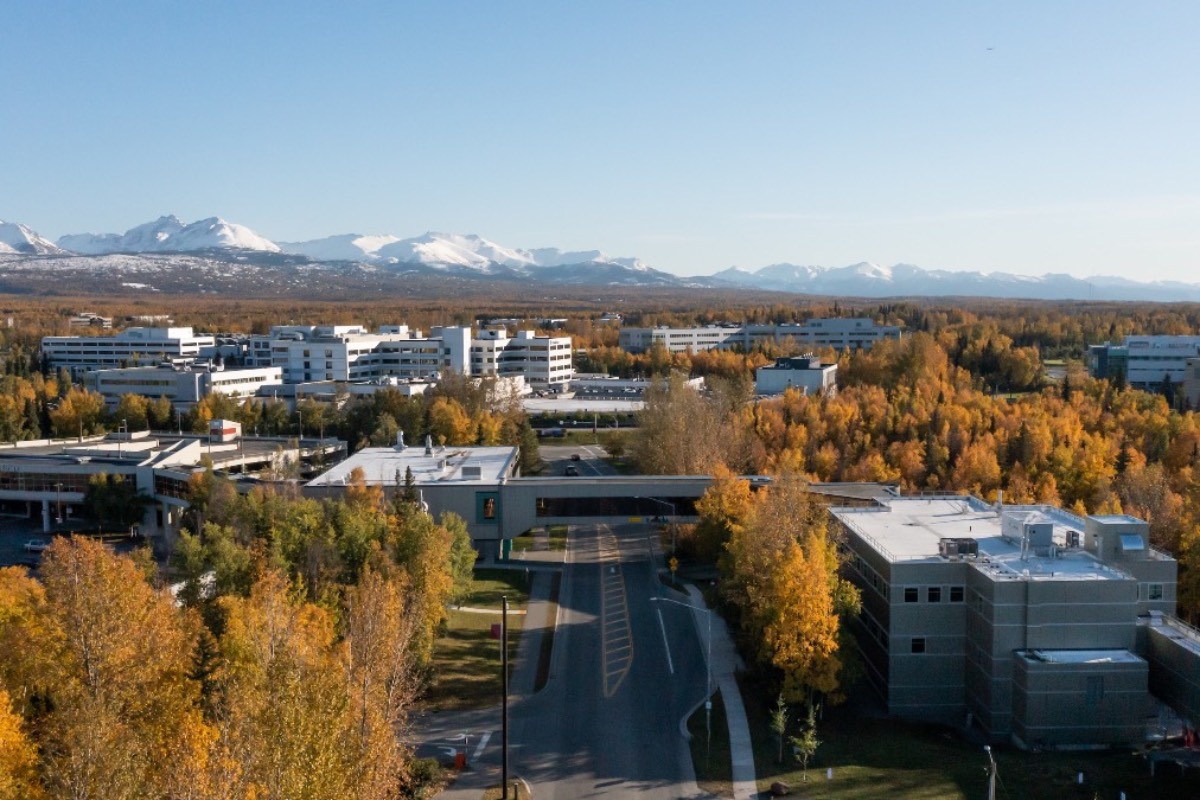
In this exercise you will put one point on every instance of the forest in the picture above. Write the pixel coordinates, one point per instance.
(285, 665)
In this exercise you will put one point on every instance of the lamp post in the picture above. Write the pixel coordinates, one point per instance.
(58, 492)
(708, 687)
(991, 773)
(669, 505)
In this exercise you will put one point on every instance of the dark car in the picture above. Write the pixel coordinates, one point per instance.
(572, 470)
(574, 456)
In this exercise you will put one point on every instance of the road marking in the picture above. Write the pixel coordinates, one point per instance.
(666, 646)
(616, 636)
(483, 740)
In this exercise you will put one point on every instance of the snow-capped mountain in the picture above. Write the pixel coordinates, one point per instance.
(214, 246)
(346, 247)
(447, 249)
(169, 235)
(452, 249)
(906, 280)
(18, 238)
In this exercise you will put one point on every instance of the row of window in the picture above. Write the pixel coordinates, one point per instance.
(934, 594)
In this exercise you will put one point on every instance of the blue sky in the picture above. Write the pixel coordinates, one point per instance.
(1021, 136)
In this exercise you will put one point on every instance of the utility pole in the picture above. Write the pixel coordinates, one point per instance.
(504, 702)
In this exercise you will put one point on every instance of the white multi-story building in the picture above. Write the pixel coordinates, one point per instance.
(1147, 362)
(805, 373)
(840, 334)
(545, 362)
(130, 347)
(350, 353)
(184, 387)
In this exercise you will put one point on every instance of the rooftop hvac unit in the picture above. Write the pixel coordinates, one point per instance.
(956, 547)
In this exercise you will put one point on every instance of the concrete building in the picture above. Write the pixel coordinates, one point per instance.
(1191, 383)
(1025, 621)
(805, 373)
(839, 333)
(1144, 362)
(184, 387)
(308, 353)
(48, 479)
(462, 480)
(130, 347)
(545, 362)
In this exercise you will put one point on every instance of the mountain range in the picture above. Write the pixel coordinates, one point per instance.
(469, 256)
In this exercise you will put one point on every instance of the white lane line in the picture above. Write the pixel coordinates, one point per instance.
(483, 740)
(662, 627)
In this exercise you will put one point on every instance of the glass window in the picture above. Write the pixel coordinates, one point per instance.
(910, 595)
(918, 644)
(1154, 591)
(956, 594)
(935, 594)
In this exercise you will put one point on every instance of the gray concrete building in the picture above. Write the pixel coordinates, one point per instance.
(1023, 621)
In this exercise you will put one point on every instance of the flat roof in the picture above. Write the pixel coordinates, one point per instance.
(1082, 656)
(910, 529)
(388, 466)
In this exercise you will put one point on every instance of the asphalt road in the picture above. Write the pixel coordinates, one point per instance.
(591, 459)
(624, 672)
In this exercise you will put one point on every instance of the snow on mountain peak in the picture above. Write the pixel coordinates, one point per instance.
(169, 234)
(18, 238)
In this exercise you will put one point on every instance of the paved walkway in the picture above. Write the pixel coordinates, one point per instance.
(470, 783)
(725, 664)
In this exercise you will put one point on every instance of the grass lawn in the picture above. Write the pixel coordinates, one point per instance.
(490, 585)
(466, 659)
(880, 758)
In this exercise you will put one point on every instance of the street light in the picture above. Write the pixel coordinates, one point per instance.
(708, 689)
(669, 505)
(991, 773)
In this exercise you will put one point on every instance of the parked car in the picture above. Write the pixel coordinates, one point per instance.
(572, 470)
(574, 456)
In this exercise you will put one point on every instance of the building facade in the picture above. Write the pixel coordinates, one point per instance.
(1144, 362)
(1022, 621)
(805, 373)
(184, 387)
(130, 347)
(838, 333)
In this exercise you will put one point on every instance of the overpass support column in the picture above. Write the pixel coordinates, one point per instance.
(45, 516)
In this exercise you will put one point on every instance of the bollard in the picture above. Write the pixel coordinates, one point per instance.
(1079, 779)
(829, 774)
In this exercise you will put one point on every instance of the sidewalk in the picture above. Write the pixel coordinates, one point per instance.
(483, 764)
(725, 663)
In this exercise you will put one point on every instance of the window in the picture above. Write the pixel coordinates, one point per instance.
(956, 594)
(1154, 591)
(935, 594)
(918, 646)
(910, 595)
